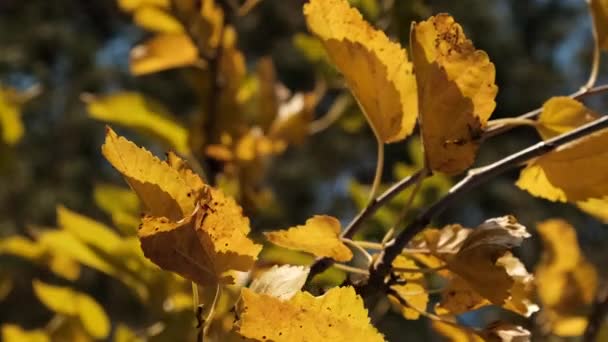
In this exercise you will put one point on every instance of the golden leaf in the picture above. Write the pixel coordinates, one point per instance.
(132, 5)
(338, 315)
(596, 207)
(414, 295)
(294, 117)
(204, 246)
(456, 92)
(566, 282)
(562, 114)
(121, 204)
(599, 12)
(571, 173)
(162, 52)
(320, 235)
(157, 20)
(14, 333)
(205, 20)
(456, 333)
(376, 70)
(498, 331)
(162, 189)
(11, 126)
(66, 301)
(133, 110)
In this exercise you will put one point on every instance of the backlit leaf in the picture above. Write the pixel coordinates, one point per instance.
(162, 52)
(456, 92)
(121, 204)
(135, 111)
(376, 70)
(338, 315)
(157, 20)
(66, 301)
(282, 282)
(596, 207)
(571, 173)
(131, 5)
(414, 295)
(11, 126)
(14, 333)
(562, 114)
(162, 189)
(320, 235)
(565, 280)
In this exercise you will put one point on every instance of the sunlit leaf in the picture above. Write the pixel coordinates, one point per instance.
(11, 126)
(338, 315)
(562, 114)
(376, 70)
(135, 111)
(282, 282)
(14, 333)
(320, 235)
(162, 52)
(157, 20)
(456, 92)
(293, 120)
(596, 207)
(571, 173)
(565, 280)
(414, 295)
(121, 204)
(131, 5)
(66, 301)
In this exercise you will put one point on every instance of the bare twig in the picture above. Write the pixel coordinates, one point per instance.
(472, 180)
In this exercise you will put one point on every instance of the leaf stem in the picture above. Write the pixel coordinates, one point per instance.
(367, 244)
(595, 64)
(359, 248)
(379, 170)
(195, 298)
(351, 269)
(333, 114)
(419, 270)
(209, 318)
(514, 122)
(473, 179)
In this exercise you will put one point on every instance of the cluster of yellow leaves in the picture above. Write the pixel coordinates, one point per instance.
(573, 172)
(566, 282)
(452, 92)
(480, 267)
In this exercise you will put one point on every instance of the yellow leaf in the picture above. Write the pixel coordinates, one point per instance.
(89, 231)
(456, 92)
(488, 271)
(596, 207)
(414, 295)
(376, 70)
(161, 188)
(566, 282)
(338, 315)
(205, 20)
(599, 11)
(14, 333)
(157, 20)
(162, 52)
(320, 235)
(135, 111)
(124, 334)
(11, 126)
(505, 332)
(571, 173)
(562, 114)
(132, 5)
(66, 301)
(203, 246)
(294, 118)
(121, 204)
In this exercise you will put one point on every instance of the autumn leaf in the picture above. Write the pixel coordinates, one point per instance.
(562, 114)
(11, 125)
(162, 189)
(135, 111)
(571, 173)
(157, 20)
(495, 332)
(482, 269)
(414, 295)
(338, 315)
(132, 5)
(14, 333)
(121, 204)
(599, 12)
(162, 52)
(66, 301)
(566, 282)
(320, 235)
(205, 19)
(596, 207)
(293, 119)
(456, 92)
(376, 70)
(281, 282)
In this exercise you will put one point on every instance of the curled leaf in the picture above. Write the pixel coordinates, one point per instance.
(456, 92)
(320, 235)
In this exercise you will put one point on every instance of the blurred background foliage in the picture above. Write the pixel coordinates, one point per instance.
(60, 56)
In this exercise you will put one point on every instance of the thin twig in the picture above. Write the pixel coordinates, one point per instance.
(351, 269)
(359, 248)
(333, 114)
(379, 170)
(419, 270)
(471, 181)
(595, 64)
(597, 316)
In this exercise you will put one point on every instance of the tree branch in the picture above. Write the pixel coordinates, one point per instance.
(473, 179)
